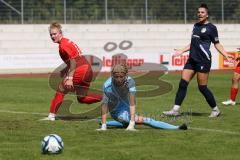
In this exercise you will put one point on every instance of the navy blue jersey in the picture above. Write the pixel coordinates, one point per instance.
(202, 36)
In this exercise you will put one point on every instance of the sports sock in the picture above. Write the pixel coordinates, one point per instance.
(158, 124)
(89, 99)
(52, 115)
(233, 93)
(56, 102)
(176, 107)
(208, 95)
(215, 108)
(181, 93)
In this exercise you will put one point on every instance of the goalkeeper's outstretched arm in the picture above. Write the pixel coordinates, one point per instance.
(104, 110)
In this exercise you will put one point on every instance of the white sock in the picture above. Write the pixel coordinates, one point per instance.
(215, 108)
(52, 115)
(176, 107)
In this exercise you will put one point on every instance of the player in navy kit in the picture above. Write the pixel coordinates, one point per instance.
(199, 62)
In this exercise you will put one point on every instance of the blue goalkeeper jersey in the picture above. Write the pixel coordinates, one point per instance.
(202, 36)
(117, 98)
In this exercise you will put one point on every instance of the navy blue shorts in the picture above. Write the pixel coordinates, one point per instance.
(197, 66)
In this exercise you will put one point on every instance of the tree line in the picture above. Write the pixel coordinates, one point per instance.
(116, 11)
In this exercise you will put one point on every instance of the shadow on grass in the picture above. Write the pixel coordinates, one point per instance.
(194, 114)
(65, 113)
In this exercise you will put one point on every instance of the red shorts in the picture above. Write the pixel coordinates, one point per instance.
(237, 69)
(83, 75)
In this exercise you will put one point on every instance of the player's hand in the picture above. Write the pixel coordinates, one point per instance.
(69, 83)
(103, 128)
(131, 129)
(178, 52)
(230, 58)
(131, 126)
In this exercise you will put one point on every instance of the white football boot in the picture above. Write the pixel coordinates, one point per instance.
(50, 117)
(229, 102)
(171, 113)
(215, 113)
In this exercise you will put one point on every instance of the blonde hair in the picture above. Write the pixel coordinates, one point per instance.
(55, 25)
(120, 68)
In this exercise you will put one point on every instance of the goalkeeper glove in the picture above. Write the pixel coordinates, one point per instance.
(103, 127)
(131, 126)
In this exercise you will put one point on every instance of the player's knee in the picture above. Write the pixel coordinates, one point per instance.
(139, 119)
(81, 99)
(202, 88)
(124, 117)
(183, 84)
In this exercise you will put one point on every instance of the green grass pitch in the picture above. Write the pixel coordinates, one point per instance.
(25, 100)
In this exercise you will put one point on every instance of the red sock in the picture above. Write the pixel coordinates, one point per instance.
(89, 99)
(56, 102)
(233, 94)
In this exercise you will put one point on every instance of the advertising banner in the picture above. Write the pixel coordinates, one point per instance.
(111, 53)
(224, 64)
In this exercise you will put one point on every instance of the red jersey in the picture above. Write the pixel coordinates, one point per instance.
(69, 50)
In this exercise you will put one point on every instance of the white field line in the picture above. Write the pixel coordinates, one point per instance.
(215, 130)
(193, 128)
(34, 113)
(19, 112)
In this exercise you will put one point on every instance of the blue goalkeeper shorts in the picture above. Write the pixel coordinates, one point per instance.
(122, 116)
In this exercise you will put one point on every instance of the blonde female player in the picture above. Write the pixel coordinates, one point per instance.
(119, 100)
(78, 75)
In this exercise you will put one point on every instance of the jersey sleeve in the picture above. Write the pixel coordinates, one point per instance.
(214, 35)
(105, 99)
(131, 86)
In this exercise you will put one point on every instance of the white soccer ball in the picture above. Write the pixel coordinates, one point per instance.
(52, 144)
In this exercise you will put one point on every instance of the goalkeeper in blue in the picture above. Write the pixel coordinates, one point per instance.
(120, 101)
